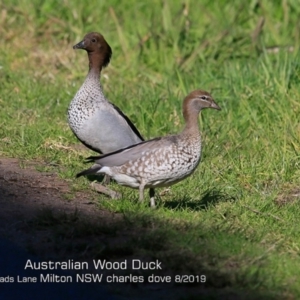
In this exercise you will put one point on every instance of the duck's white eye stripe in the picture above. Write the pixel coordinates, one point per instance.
(205, 98)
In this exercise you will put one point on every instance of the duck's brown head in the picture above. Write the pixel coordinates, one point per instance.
(193, 104)
(198, 100)
(96, 46)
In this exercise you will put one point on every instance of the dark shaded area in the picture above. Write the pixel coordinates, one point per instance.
(12, 262)
(36, 217)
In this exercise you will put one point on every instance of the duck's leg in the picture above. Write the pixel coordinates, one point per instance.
(106, 180)
(152, 199)
(141, 189)
(105, 190)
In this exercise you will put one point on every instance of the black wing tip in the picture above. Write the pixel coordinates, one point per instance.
(92, 158)
(82, 173)
(91, 171)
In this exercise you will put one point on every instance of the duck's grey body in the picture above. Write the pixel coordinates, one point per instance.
(97, 123)
(157, 163)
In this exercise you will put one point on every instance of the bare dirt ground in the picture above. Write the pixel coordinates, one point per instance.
(26, 195)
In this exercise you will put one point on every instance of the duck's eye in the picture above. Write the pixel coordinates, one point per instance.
(93, 40)
(204, 97)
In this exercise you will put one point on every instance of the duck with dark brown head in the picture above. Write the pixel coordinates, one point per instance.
(97, 123)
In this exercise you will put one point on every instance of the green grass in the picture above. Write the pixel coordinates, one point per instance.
(223, 220)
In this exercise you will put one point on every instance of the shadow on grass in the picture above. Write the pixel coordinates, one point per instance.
(208, 198)
(144, 235)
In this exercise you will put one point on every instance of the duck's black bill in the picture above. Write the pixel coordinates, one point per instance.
(80, 45)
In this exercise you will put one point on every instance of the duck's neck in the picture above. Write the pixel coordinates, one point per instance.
(93, 75)
(95, 67)
(95, 63)
(191, 118)
(92, 79)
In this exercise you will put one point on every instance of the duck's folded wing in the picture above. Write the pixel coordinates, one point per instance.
(130, 124)
(134, 152)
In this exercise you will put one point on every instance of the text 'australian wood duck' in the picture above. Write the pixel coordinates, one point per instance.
(161, 161)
